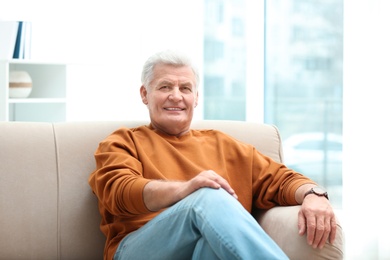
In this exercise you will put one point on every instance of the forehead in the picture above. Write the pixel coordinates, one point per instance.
(166, 72)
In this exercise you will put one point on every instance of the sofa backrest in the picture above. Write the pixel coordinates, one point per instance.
(47, 209)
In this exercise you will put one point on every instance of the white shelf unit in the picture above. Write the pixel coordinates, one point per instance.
(48, 99)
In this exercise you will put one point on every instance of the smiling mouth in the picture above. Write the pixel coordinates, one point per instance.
(173, 109)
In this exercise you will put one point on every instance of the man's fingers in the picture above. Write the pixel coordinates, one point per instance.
(320, 236)
(220, 181)
(333, 226)
(301, 223)
(310, 229)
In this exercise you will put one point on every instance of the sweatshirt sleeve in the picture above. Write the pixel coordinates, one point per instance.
(274, 183)
(118, 181)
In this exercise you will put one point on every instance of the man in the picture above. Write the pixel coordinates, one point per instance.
(166, 191)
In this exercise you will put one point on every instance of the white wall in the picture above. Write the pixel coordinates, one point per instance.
(109, 41)
(82, 31)
(112, 39)
(366, 129)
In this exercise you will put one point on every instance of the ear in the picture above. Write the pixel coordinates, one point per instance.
(143, 92)
(196, 99)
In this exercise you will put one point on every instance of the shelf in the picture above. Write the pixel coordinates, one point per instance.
(47, 101)
(37, 112)
(35, 100)
(33, 62)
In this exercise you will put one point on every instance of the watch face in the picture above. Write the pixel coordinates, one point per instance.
(319, 190)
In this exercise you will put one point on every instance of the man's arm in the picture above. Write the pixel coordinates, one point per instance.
(161, 194)
(301, 191)
(316, 217)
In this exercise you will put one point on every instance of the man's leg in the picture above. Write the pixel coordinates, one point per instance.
(203, 251)
(208, 219)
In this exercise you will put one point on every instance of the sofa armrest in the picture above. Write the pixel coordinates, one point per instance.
(281, 223)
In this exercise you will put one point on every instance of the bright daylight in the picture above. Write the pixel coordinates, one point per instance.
(238, 129)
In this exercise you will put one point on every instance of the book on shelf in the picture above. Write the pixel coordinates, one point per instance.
(27, 42)
(15, 40)
(18, 43)
(8, 35)
(23, 41)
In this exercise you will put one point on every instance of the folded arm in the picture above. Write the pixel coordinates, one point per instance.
(161, 194)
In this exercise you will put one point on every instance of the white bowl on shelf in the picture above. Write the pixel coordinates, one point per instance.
(20, 84)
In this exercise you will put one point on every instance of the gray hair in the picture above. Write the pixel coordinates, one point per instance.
(167, 57)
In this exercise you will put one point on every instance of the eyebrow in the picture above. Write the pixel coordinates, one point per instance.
(167, 82)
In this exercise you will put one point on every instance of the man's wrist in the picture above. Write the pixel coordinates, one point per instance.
(318, 191)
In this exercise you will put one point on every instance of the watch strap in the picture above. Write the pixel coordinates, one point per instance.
(312, 191)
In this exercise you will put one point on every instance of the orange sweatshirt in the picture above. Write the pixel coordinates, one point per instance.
(129, 158)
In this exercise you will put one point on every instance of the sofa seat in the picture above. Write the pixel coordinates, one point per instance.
(48, 211)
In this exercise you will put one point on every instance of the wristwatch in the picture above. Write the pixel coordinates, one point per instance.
(317, 191)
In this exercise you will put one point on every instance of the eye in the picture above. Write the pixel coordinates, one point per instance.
(186, 89)
(164, 87)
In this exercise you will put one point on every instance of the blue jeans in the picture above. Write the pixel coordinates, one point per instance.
(208, 224)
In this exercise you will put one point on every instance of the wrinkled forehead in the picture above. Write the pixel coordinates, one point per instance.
(174, 74)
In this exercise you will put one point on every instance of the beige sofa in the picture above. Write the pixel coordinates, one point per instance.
(47, 209)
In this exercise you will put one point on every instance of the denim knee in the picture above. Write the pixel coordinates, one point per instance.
(217, 200)
(212, 196)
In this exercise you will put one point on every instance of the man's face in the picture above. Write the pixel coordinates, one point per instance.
(171, 98)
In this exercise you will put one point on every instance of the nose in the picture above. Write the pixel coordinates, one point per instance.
(175, 95)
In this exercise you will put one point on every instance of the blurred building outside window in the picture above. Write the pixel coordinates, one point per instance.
(302, 78)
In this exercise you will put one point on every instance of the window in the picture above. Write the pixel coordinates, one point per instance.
(224, 60)
(303, 68)
(303, 86)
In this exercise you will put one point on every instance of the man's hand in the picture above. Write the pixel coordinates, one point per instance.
(161, 194)
(209, 179)
(317, 219)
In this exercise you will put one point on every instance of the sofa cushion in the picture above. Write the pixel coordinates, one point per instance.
(279, 221)
(28, 191)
